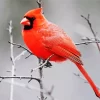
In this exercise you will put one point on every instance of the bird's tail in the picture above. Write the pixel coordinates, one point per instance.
(88, 78)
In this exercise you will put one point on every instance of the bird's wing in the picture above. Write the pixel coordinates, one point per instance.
(66, 54)
(56, 40)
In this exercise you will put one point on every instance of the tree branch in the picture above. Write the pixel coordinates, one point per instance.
(87, 42)
(12, 59)
(32, 87)
(41, 83)
(19, 77)
(40, 68)
(20, 55)
(90, 25)
(20, 46)
(39, 2)
(85, 81)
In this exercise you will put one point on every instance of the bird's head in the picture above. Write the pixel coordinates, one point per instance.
(33, 18)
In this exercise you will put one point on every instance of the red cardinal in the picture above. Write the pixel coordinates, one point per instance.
(44, 39)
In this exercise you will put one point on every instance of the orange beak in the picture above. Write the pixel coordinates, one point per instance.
(25, 21)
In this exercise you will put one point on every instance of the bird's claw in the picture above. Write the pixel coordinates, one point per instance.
(48, 65)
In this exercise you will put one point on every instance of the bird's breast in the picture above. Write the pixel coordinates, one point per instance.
(34, 42)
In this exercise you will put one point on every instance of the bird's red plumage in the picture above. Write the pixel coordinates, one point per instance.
(42, 41)
(44, 38)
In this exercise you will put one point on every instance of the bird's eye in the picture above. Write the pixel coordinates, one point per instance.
(33, 18)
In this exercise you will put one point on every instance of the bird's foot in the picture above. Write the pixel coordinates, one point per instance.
(47, 65)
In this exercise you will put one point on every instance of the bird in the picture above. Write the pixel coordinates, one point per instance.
(44, 38)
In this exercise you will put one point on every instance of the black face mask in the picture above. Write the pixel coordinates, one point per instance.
(31, 20)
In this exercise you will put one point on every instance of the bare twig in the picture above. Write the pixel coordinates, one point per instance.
(12, 59)
(20, 55)
(39, 2)
(41, 74)
(20, 77)
(23, 53)
(20, 46)
(31, 87)
(50, 92)
(87, 42)
(85, 81)
(90, 25)
(41, 83)
(47, 92)
(28, 55)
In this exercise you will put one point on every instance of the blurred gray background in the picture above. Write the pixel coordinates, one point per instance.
(66, 14)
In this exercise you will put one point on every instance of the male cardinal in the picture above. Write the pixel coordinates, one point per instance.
(44, 39)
